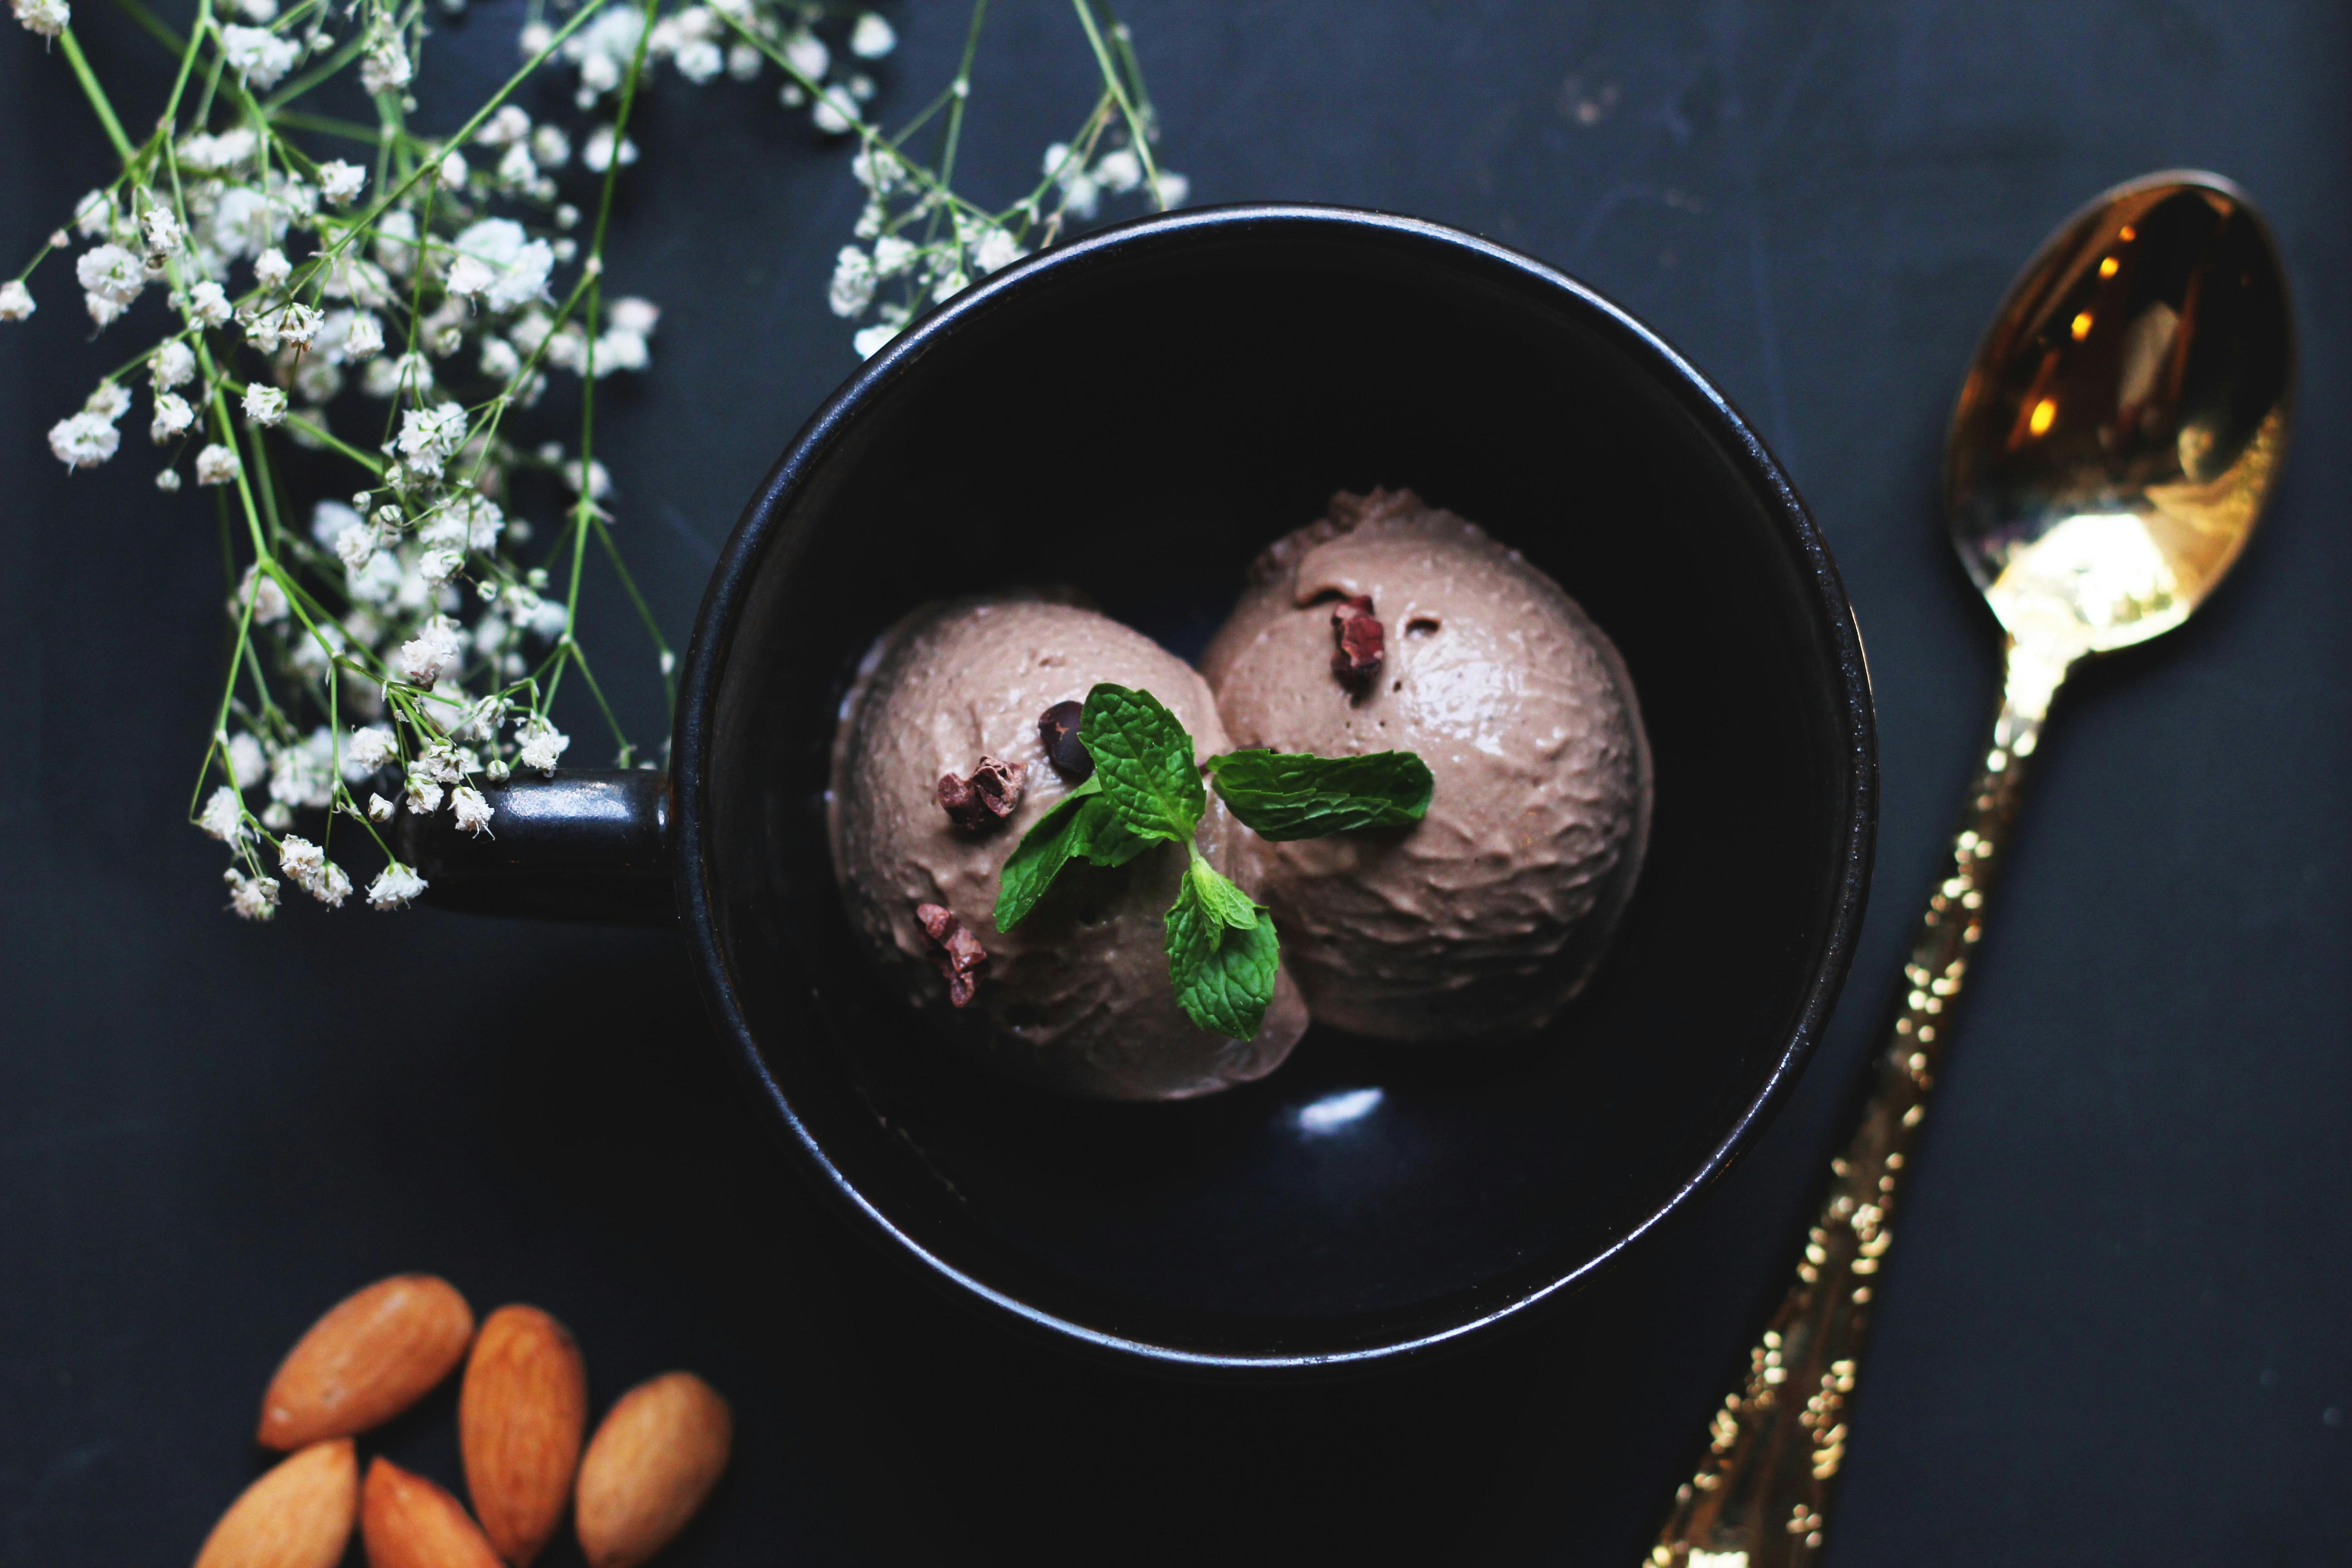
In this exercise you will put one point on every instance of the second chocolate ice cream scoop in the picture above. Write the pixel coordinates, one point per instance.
(1491, 913)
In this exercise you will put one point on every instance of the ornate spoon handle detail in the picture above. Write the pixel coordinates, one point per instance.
(1760, 1498)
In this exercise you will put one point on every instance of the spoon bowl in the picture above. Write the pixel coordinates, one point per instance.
(2124, 421)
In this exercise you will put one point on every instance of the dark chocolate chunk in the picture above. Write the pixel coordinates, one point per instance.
(1363, 644)
(1057, 727)
(991, 795)
(960, 956)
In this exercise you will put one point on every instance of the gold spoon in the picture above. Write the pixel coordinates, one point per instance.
(2115, 441)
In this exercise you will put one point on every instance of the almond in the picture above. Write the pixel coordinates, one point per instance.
(375, 1354)
(297, 1516)
(407, 1521)
(521, 1417)
(650, 1465)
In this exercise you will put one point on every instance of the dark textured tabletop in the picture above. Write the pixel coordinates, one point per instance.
(2118, 1325)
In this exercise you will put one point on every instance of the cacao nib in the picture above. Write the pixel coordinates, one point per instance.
(987, 797)
(1363, 645)
(960, 957)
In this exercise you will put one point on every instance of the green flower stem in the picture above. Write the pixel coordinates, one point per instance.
(325, 438)
(1138, 131)
(583, 512)
(95, 94)
(645, 611)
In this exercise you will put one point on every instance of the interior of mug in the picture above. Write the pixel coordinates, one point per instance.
(1138, 420)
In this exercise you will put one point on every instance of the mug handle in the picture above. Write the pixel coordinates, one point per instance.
(585, 844)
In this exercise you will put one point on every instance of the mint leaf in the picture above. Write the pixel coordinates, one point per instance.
(1284, 795)
(1143, 760)
(1227, 904)
(1223, 973)
(1082, 826)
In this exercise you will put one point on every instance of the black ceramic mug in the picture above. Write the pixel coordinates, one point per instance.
(1137, 413)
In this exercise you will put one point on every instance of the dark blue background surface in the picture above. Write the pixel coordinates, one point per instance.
(2116, 1326)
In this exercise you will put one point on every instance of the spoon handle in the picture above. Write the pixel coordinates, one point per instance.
(1760, 1497)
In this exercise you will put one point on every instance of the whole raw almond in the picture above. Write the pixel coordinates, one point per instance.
(407, 1521)
(375, 1354)
(521, 1417)
(655, 1458)
(298, 1515)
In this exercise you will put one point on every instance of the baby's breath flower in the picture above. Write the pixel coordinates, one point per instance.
(251, 897)
(872, 38)
(472, 811)
(631, 314)
(431, 654)
(437, 566)
(424, 795)
(1119, 171)
(395, 888)
(618, 350)
(110, 402)
(173, 417)
(385, 67)
(111, 277)
(452, 171)
(871, 341)
(94, 214)
(215, 464)
(207, 304)
(84, 440)
(47, 17)
(340, 182)
(271, 268)
(248, 765)
(355, 547)
(598, 152)
(224, 817)
(370, 748)
(161, 229)
(330, 885)
(854, 280)
(174, 364)
(835, 112)
(509, 125)
(168, 481)
(808, 55)
(16, 301)
(299, 859)
(380, 810)
(258, 56)
(264, 405)
(269, 599)
(599, 482)
(361, 338)
(541, 744)
(500, 265)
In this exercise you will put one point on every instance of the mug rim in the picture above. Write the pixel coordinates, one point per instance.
(1727, 430)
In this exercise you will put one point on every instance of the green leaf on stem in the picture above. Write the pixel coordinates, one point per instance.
(1144, 760)
(1284, 795)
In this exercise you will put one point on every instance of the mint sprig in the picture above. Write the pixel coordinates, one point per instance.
(1222, 952)
(1144, 760)
(1082, 826)
(1282, 795)
(1222, 949)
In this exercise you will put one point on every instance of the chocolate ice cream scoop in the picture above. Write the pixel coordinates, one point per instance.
(1489, 914)
(1076, 997)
